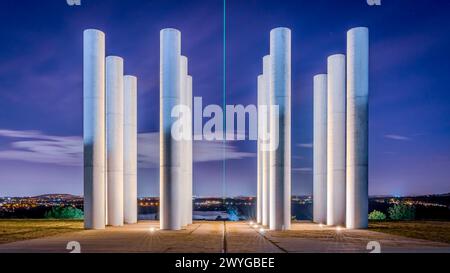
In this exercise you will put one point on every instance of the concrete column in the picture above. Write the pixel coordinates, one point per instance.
(320, 150)
(260, 168)
(336, 140)
(94, 128)
(190, 165)
(183, 151)
(130, 149)
(357, 127)
(266, 153)
(280, 158)
(170, 204)
(114, 139)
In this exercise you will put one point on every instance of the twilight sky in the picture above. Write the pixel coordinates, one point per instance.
(41, 86)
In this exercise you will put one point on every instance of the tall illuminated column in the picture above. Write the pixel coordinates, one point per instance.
(260, 170)
(130, 149)
(280, 158)
(94, 128)
(266, 153)
(357, 127)
(170, 204)
(336, 140)
(189, 155)
(114, 139)
(320, 149)
(183, 151)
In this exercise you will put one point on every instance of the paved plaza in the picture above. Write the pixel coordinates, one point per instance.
(224, 237)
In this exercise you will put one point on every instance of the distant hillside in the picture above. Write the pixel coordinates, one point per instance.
(63, 196)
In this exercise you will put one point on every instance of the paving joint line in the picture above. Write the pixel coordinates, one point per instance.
(272, 242)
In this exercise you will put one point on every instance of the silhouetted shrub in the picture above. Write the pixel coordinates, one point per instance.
(64, 213)
(377, 216)
(402, 212)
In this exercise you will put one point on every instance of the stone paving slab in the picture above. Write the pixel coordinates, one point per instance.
(312, 238)
(240, 237)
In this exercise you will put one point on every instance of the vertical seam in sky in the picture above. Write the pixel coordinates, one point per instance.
(224, 102)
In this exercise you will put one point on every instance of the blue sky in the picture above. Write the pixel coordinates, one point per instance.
(41, 86)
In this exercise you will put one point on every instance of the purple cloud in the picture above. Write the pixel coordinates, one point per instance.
(397, 137)
(38, 147)
(305, 145)
(302, 170)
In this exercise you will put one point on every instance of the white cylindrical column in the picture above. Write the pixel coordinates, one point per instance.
(320, 150)
(190, 166)
(170, 204)
(357, 127)
(130, 149)
(260, 170)
(94, 128)
(336, 140)
(183, 151)
(114, 139)
(280, 158)
(266, 153)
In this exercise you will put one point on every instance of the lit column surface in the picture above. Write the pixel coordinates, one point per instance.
(266, 152)
(280, 159)
(170, 204)
(183, 151)
(114, 139)
(320, 150)
(357, 127)
(189, 153)
(336, 140)
(94, 128)
(259, 188)
(130, 149)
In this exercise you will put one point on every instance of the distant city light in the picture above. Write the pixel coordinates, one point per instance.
(261, 230)
(255, 226)
(152, 229)
(251, 223)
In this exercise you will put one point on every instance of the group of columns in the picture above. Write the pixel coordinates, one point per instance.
(109, 137)
(340, 172)
(175, 152)
(340, 135)
(274, 151)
